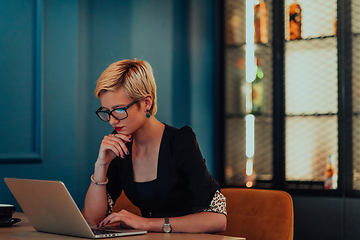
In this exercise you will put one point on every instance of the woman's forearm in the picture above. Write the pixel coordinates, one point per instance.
(96, 200)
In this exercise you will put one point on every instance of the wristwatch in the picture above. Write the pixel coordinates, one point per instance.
(167, 227)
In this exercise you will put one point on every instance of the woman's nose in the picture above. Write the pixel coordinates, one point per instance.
(113, 120)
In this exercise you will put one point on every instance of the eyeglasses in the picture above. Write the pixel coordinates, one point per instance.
(118, 113)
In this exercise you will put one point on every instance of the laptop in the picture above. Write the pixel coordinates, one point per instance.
(50, 208)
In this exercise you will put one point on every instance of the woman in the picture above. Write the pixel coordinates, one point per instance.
(159, 167)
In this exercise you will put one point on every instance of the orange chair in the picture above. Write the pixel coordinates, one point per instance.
(259, 214)
(124, 203)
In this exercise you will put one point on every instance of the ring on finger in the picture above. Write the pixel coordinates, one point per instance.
(115, 135)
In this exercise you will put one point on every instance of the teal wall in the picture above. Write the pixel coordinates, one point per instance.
(53, 51)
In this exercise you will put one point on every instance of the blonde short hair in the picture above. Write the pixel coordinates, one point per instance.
(135, 76)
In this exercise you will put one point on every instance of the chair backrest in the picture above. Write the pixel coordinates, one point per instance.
(124, 203)
(259, 214)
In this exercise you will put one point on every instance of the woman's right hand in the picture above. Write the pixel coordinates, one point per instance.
(96, 199)
(111, 146)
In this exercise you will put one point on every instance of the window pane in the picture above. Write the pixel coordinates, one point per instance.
(311, 76)
(317, 17)
(311, 85)
(310, 141)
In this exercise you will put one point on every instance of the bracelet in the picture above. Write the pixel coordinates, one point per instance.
(98, 183)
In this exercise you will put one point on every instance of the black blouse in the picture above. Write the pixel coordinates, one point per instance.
(183, 186)
(147, 193)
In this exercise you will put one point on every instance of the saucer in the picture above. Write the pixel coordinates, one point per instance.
(9, 222)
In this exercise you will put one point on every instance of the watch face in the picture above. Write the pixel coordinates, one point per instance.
(167, 228)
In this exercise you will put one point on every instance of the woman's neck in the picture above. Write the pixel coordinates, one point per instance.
(149, 134)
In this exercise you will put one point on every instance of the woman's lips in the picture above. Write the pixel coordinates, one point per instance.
(118, 128)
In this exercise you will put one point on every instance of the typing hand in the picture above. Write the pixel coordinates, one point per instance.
(126, 219)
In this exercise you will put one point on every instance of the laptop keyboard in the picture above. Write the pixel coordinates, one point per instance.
(103, 232)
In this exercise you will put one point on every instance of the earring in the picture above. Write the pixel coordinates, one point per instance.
(147, 113)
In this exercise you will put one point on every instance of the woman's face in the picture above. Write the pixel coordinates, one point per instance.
(111, 100)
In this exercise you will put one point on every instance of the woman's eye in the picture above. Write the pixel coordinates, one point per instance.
(119, 110)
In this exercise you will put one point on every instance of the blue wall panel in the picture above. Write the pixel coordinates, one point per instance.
(55, 94)
(203, 75)
(181, 71)
(60, 26)
(18, 80)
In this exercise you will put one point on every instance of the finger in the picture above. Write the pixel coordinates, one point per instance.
(118, 143)
(109, 145)
(126, 138)
(119, 146)
(102, 223)
(113, 217)
(109, 220)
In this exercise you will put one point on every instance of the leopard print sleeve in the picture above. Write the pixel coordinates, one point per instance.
(218, 204)
(110, 202)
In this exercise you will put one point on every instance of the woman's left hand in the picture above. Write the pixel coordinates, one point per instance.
(127, 219)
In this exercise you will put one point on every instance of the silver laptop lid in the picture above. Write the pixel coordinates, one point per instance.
(50, 208)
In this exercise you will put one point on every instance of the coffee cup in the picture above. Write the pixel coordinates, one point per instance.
(6, 211)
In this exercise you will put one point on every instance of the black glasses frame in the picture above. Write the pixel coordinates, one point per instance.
(111, 112)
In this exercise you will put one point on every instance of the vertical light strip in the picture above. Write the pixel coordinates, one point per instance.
(249, 167)
(248, 97)
(250, 46)
(250, 135)
(250, 76)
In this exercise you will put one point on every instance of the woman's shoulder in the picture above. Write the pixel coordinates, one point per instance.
(179, 133)
(181, 138)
